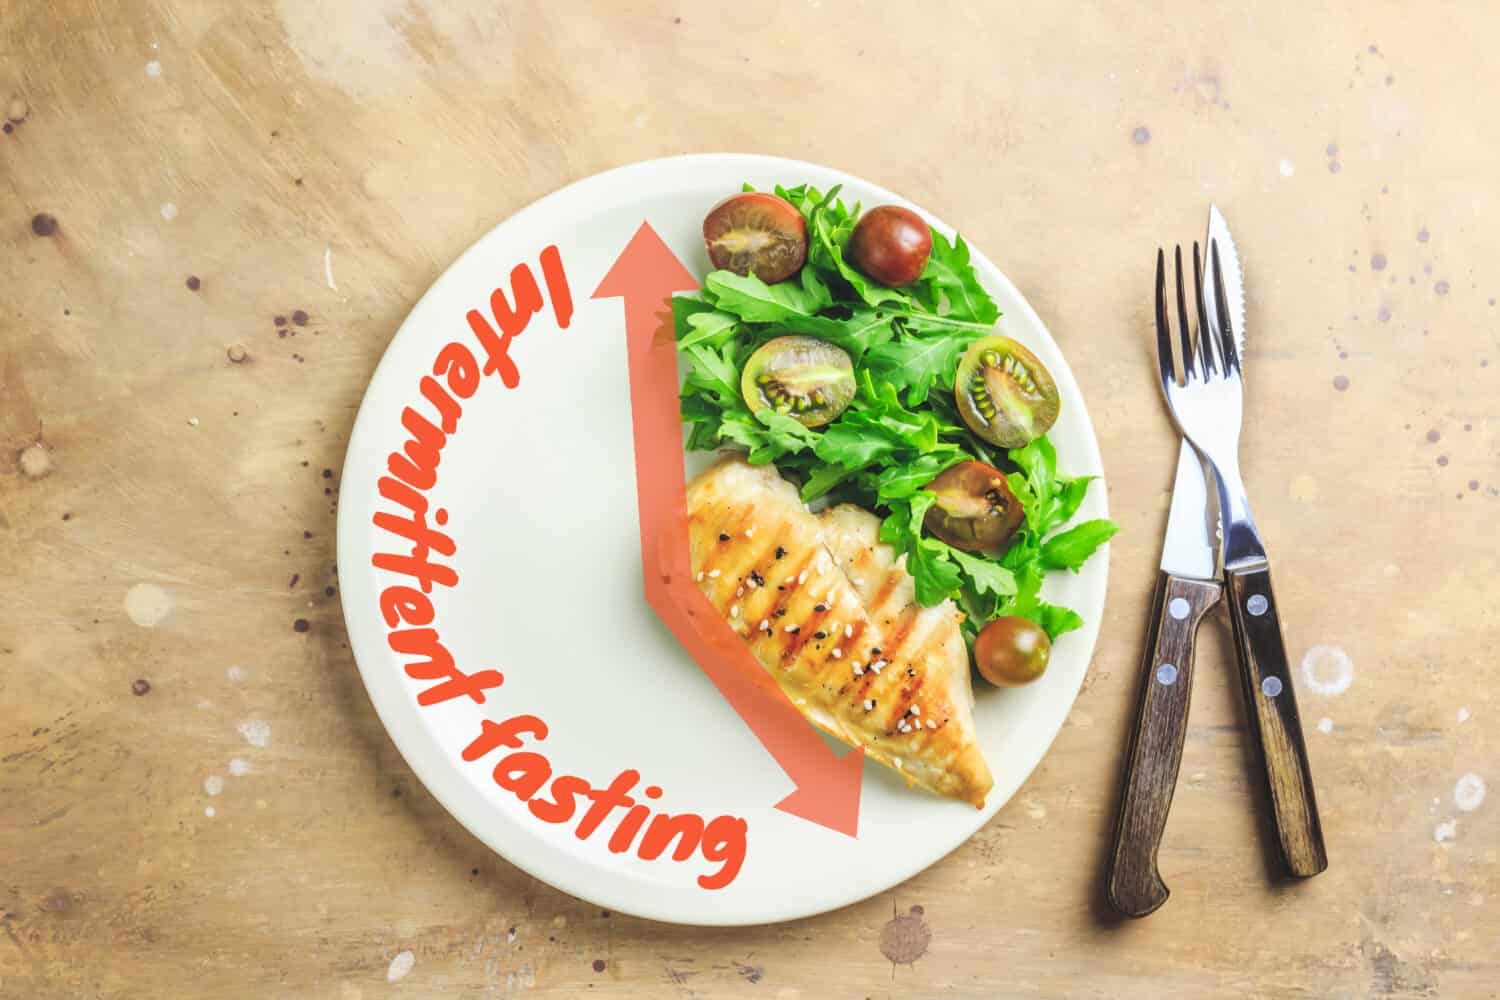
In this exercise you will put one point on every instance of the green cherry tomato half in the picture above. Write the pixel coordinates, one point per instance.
(801, 377)
(1004, 393)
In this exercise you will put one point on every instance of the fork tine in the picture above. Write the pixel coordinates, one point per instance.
(1163, 327)
(1185, 332)
(1225, 330)
(1205, 335)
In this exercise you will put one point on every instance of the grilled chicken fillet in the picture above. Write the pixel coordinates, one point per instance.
(832, 615)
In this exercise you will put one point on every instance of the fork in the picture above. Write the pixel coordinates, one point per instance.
(1208, 407)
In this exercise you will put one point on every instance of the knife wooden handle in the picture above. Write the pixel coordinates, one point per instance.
(1277, 730)
(1133, 884)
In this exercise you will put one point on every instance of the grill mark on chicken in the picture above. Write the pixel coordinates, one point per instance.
(880, 612)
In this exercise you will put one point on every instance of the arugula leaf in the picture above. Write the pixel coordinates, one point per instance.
(1070, 497)
(716, 372)
(987, 576)
(950, 273)
(823, 480)
(935, 575)
(900, 481)
(1054, 620)
(916, 363)
(856, 335)
(684, 306)
(751, 299)
(1069, 549)
(803, 198)
(708, 327)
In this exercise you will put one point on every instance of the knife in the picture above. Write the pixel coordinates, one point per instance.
(1275, 724)
(1187, 587)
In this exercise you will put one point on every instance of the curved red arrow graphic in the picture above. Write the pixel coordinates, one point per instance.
(645, 276)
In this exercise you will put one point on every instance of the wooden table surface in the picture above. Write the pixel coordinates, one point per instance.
(196, 798)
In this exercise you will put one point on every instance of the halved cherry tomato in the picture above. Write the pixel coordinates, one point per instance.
(756, 233)
(975, 509)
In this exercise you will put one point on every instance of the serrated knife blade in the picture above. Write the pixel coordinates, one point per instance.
(1234, 295)
(1234, 279)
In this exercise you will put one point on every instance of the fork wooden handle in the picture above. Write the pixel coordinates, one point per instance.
(1133, 883)
(1275, 725)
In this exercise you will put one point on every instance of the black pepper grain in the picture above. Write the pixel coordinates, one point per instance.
(780, 552)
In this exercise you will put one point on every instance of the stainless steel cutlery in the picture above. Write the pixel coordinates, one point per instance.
(1202, 382)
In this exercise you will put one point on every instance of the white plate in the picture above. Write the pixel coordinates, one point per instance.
(539, 484)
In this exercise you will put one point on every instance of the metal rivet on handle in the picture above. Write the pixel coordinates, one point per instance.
(1257, 604)
(1270, 687)
(1166, 674)
(1179, 608)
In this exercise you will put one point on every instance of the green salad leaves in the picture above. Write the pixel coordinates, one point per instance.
(902, 427)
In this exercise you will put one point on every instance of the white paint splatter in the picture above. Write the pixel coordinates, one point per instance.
(255, 732)
(328, 267)
(1288, 168)
(1468, 793)
(1034, 807)
(210, 812)
(1445, 831)
(192, 421)
(510, 936)
(147, 604)
(235, 673)
(400, 966)
(239, 767)
(213, 784)
(1325, 725)
(153, 68)
(35, 461)
(1463, 714)
(169, 210)
(1328, 670)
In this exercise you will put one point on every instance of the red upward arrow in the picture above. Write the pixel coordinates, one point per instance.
(645, 276)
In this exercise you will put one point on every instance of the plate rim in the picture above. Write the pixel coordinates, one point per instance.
(441, 778)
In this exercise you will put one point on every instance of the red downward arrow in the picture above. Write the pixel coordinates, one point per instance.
(645, 276)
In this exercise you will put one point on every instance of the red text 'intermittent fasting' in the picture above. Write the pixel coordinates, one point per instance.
(419, 555)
